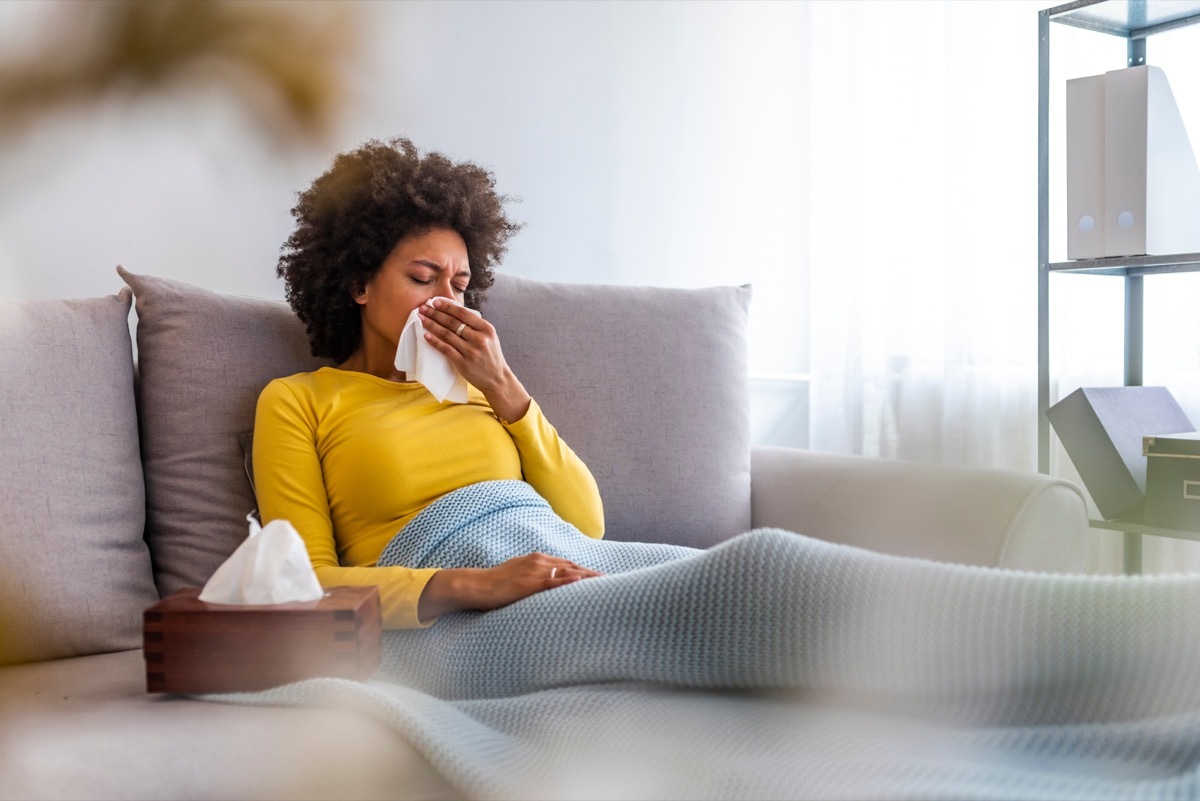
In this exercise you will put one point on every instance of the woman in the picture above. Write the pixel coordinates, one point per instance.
(350, 454)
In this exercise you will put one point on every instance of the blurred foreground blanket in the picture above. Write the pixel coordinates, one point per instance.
(779, 666)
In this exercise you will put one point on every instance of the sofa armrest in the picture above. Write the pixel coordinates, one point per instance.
(977, 516)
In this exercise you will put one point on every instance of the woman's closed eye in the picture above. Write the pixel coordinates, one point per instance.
(430, 281)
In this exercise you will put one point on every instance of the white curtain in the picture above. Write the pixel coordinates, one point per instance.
(923, 241)
(923, 230)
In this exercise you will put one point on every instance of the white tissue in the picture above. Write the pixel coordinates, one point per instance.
(419, 360)
(270, 567)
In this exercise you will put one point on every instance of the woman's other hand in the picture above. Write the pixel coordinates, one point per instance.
(472, 346)
(484, 589)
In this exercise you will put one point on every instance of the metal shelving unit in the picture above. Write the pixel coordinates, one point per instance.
(1131, 266)
(1138, 529)
(1135, 21)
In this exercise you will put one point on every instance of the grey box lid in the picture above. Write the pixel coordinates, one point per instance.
(1102, 429)
(1176, 445)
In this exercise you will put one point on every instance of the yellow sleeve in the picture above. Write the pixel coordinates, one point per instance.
(290, 486)
(558, 475)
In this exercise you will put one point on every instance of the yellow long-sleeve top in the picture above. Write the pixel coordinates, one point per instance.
(349, 459)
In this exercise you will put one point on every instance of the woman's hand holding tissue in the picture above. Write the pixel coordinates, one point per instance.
(471, 345)
(484, 589)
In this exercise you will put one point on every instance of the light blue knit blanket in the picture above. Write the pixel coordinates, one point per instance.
(779, 666)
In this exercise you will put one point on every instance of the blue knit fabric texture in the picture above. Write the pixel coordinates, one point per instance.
(775, 665)
(482, 525)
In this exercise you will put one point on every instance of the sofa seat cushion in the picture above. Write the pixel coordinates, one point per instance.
(74, 569)
(85, 728)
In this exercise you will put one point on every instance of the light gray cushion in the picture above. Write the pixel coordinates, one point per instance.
(649, 386)
(87, 729)
(203, 359)
(74, 570)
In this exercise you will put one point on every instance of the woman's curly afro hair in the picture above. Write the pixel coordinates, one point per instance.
(351, 218)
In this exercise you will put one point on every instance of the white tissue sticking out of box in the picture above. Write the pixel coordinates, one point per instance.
(270, 567)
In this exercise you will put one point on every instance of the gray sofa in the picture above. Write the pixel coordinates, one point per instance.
(124, 478)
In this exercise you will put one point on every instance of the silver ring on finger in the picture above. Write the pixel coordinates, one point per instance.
(459, 330)
(553, 572)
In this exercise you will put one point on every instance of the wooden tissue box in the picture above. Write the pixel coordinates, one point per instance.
(197, 647)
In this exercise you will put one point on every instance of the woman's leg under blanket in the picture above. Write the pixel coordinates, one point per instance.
(775, 610)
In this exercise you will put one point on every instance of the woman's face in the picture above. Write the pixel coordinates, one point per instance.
(423, 265)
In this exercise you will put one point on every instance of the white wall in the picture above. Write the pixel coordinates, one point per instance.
(652, 143)
(658, 142)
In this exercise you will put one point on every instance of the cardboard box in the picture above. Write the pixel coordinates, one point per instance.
(1173, 481)
(197, 647)
(1102, 430)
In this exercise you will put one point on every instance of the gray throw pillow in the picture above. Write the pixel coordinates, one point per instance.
(203, 358)
(74, 570)
(649, 387)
